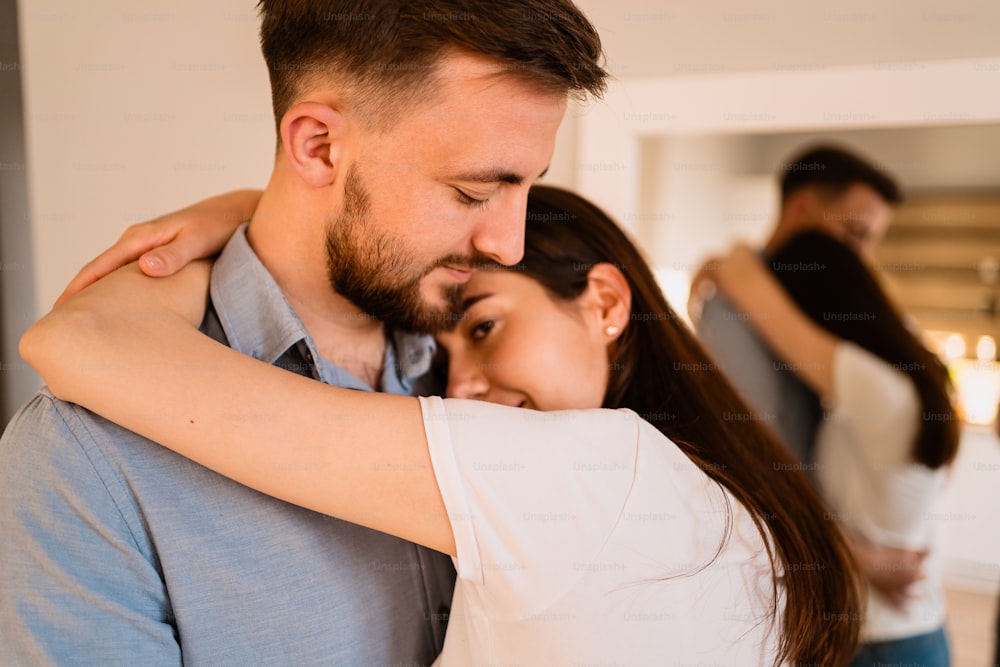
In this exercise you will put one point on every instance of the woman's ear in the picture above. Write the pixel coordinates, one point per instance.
(312, 137)
(611, 298)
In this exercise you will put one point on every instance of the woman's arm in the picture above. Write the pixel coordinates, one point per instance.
(167, 243)
(806, 347)
(127, 348)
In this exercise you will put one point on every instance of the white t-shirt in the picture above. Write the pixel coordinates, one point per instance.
(865, 468)
(587, 538)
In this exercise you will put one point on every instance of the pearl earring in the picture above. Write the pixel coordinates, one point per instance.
(611, 330)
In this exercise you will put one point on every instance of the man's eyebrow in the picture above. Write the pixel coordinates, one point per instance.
(493, 176)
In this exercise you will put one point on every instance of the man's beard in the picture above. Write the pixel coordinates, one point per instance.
(378, 275)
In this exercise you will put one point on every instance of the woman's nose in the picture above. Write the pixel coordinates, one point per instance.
(465, 380)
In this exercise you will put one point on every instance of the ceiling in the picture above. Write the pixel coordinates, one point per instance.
(656, 38)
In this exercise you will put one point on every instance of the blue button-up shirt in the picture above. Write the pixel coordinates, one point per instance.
(114, 550)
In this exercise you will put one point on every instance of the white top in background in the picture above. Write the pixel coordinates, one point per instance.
(866, 471)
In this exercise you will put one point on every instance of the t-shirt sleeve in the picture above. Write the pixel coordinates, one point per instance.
(531, 496)
(878, 404)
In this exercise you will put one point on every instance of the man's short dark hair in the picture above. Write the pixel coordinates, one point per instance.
(385, 53)
(834, 170)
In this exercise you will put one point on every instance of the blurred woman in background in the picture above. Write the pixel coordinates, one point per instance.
(890, 430)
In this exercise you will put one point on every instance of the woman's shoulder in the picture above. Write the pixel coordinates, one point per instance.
(554, 427)
(864, 381)
(534, 443)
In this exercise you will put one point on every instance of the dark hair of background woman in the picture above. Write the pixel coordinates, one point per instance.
(843, 296)
(693, 406)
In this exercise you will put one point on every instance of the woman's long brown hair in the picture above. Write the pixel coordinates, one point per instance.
(660, 371)
(842, 295)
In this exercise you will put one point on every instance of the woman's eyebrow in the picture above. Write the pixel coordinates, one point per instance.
(473, 300)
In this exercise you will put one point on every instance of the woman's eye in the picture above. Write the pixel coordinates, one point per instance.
(481, 330)
(471, 201)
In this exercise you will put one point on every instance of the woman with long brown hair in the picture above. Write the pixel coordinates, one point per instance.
(890, 431)
(665, 528)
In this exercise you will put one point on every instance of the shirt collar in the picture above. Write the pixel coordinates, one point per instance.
(258, 321)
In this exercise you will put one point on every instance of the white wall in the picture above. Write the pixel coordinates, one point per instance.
(133, 109)
(646, 38)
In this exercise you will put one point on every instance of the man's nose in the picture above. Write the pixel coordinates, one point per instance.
(500, 235)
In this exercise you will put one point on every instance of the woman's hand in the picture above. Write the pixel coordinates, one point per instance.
(169, 242)
(702, 289)
(889, 570)
(740, 274)
(735, 273)
(123, 305)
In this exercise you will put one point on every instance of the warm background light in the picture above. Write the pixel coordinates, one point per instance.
(954, 347)
(986, 348)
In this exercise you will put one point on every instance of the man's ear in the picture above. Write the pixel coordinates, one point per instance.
(312, 137)
(800, 207)
(611, 298)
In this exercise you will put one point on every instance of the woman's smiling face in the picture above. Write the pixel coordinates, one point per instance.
(516, 345)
